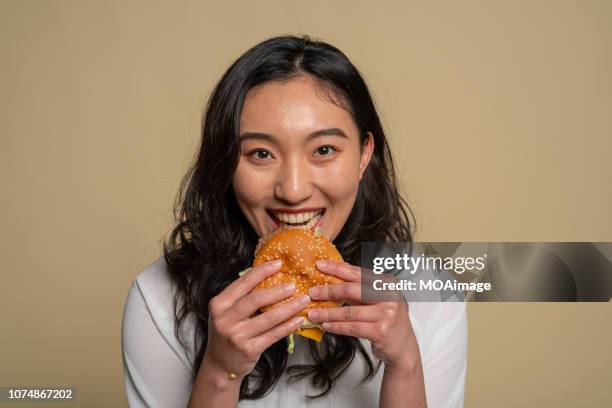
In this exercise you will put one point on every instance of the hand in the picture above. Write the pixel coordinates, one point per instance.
(385, 324)
(236, 336)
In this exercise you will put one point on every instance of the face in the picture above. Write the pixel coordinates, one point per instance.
(300, 158)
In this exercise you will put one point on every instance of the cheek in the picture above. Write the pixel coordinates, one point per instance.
(340, 180)
(249, 188)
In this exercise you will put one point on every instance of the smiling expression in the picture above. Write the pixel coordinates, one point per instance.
(300, 158)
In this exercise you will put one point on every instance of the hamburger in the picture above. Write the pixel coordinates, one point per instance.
(299, 249)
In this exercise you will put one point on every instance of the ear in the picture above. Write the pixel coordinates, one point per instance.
(366, 154)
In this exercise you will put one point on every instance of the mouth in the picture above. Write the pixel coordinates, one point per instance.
(304, 220)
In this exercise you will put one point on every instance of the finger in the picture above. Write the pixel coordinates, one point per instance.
(341, 270)
(244, 284)
(350, 291)
(250, 303)
(273, 317)
(365, 330)
(369, 313)
(265, 340)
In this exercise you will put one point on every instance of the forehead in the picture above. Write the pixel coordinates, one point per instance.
(298, 105)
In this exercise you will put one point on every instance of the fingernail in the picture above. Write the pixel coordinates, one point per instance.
(313, 292)
(304, 300)
(297, 320)
(321, 263)
(275, 263)
(289, 287)
(312, 315)
(325, 325)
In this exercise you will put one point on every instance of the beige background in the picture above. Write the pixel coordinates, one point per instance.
(499, 113)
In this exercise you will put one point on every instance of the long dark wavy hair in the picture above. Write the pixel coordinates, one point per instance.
(213, 241)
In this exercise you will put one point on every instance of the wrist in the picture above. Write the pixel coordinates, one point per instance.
(218, 377)
(213, 386)
(406, 367)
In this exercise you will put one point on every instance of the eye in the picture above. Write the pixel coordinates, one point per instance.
(326, 150)
(259, 154)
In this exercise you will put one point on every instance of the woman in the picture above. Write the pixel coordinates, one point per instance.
(290, 129)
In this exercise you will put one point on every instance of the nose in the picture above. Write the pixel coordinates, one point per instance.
(294, 182)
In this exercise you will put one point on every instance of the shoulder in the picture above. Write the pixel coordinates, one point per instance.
(153, 291)
(441, 332)
(155, 285)
(157, 368)
(150, 302)
(435, 322)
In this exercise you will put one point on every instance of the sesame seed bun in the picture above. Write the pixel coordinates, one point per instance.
(299, 249)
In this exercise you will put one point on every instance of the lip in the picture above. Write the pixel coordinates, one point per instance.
(273, 221)
(320, 219)
(295, 210)
(276, 225)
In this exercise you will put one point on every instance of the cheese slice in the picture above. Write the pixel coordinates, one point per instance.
(313, 333)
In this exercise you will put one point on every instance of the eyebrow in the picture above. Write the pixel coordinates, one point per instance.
(313, 135)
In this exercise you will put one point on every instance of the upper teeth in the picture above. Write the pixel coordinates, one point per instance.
(296, 218)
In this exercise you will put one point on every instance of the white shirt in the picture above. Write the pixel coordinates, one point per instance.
(157, 368)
